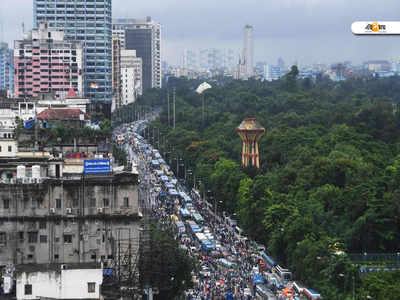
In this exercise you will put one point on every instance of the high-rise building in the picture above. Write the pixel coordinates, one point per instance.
(272, 72)
(116, 72)
(6, 68)
(46, 62)
(248, 51)
(144, 36)
(281, 64)
(131, 76)
(89, 22)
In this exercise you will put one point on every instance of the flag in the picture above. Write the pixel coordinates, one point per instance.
(29, 123)
(94, 85)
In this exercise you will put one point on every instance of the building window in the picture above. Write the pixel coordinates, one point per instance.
(126, 202)
(67, 238)
(106, 202)
(58, 203)
(0, 149)
(43, 239)
(3, 238)
(42, 225)
(21, 236)
(32, 237)
(75, 202)
(28, 289)
(6, 203)
(93, 202)
(9, 148)
(91, 287)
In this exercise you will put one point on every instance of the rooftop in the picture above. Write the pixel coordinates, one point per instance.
(62, 114)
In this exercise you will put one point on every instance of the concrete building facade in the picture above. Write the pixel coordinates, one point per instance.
(131, 76)
(248, 51)
(54, 281)
(116, 72)
(46, 62)
(144, 36)
(59, 220)
(89, 22)
(6, 68)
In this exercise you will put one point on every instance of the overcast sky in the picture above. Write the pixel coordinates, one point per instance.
(309, 31)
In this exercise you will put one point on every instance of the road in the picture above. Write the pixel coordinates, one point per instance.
(228, 262)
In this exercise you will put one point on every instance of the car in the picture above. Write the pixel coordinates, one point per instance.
(205, 272)
(247, 292)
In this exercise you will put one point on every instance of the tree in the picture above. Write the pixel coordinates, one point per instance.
(166, 266)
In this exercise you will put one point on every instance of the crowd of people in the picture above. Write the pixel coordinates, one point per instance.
(227, 270)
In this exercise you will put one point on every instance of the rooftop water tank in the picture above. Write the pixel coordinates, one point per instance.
(36, 171)
(21, 171)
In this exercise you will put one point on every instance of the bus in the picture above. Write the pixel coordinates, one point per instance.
(269, 263)
(226, 263)
(185, 213)
(238, 232)
(198, 218)
(180, 226)
(230, 222)
(283, 274)
(311, 294)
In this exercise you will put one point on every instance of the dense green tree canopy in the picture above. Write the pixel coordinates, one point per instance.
(329, 167)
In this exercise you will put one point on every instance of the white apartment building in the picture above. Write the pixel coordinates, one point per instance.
(131, 76)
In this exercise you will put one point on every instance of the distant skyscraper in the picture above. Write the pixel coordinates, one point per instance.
(89, 22)
(272, 72)
(6, 68)
(144, 36)
(46, 62)
(248, 51)
(189, 60)
(281, 64)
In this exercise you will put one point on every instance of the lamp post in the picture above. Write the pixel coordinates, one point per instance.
(190, 173)
(342, 276)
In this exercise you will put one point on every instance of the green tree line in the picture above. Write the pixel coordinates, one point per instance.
(329, 168)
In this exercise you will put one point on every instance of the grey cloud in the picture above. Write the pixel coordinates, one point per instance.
(307, 30)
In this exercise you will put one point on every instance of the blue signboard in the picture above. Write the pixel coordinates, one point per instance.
(91, 166)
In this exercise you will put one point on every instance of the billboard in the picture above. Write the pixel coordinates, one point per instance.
(92, 166)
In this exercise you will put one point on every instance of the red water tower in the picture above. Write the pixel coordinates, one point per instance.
(250, 131)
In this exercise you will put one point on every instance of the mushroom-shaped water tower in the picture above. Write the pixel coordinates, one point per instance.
(250, 131)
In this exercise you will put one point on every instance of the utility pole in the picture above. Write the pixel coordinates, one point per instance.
(168, 106)
(202, 111)
(174, 107)
(36, 131)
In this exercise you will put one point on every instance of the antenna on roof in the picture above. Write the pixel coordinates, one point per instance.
(23, 30)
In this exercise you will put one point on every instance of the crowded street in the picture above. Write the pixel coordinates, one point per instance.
(230, 266)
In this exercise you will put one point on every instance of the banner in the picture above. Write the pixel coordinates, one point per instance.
(29, 124)
(93, 166)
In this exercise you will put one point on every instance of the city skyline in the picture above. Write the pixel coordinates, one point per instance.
(316, 33)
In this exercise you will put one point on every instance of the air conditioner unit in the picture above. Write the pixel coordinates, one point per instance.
(68, 210)
(31, 248)
(52, 210)
(100, 210)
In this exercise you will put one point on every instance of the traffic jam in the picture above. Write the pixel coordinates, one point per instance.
(230, 266)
